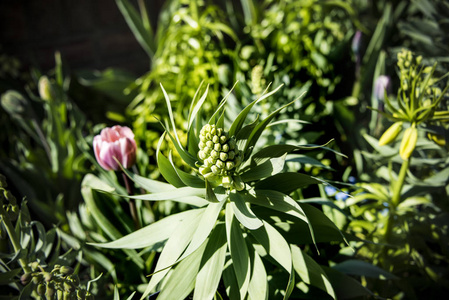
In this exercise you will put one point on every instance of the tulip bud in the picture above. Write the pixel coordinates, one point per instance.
(390, 134)
(116, 143)
(408, 143)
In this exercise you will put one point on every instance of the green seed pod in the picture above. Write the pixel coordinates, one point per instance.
(41, 288)
(390, 134)
(26, 278)
(408, 143)
(51, 292)
(66, 270)
(47, 276)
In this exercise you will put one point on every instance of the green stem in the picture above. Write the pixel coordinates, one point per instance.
(132, 203)
(13, 238)
(400, 183)
(396, 199)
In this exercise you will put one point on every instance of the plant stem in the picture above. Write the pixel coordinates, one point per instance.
(396, 199)
(132, 203)
(14, 239)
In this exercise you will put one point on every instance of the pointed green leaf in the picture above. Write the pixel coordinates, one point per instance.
(212, 264)
(287, 182)
(238, 122)
(143, 36)
(153, 235)
(185, 155)
(268, 168)
(206, 225)
(310, 271)
(258, 285)
(175, 246)
(166, 168)
(363, 268)
(150, 185)
(239, 252)
(181, 280)
(243, 213)
(257, 132)
(274, 245)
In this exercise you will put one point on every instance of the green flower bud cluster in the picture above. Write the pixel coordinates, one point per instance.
(219, 155)
(60, 283)
(10, 209)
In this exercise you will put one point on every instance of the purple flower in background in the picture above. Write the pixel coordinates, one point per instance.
(381, 85)
(356, 42)
(330, 190)
(341, 196)
(116, 143)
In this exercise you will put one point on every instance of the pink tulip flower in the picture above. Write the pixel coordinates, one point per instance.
(115, 142)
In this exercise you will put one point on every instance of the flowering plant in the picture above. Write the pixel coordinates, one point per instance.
(240, 212)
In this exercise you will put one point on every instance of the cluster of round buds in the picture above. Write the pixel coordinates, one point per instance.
(60, 283)
(219, 154)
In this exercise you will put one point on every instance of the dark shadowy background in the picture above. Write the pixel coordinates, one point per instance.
(89, 34)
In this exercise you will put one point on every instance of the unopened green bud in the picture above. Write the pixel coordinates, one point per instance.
(223, 139)
(214, 154)
(213, 130)
(225, 148)
(390, 134)
(226, 181)
(48, 276)
(408, 143)
(34, 266)
(210, 144)
(26, 278)
(231, 155)
(223, 156)
(202, 155)
(217, 147)
(66, 270)
(216, 139)
(215, 170)
(46, 90)
(220, 164)
(230, 165)
(68, 287)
